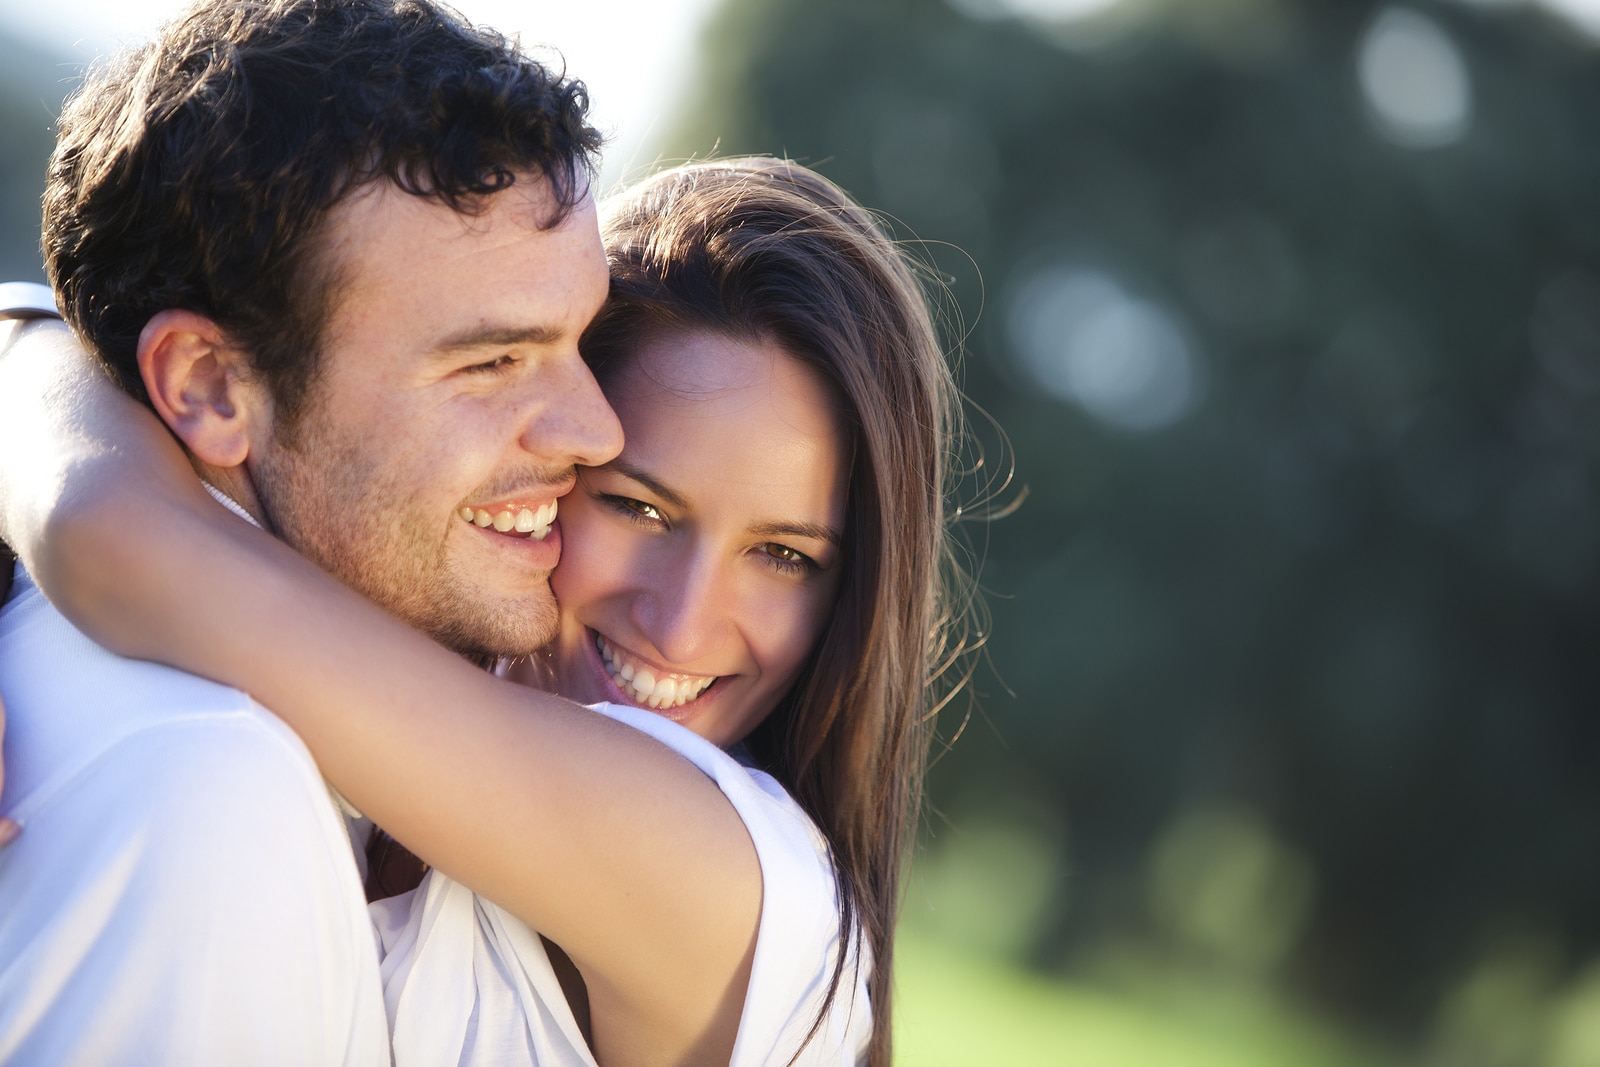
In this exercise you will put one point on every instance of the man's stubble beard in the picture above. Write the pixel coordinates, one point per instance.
(396, 559)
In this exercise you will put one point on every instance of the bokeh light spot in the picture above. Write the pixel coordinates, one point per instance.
(1576, 1031)
(1084, 339)
(990, 882)
(1222, 883)
(1414, 80)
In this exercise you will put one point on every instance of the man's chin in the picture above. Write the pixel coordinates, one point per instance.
(503, 631)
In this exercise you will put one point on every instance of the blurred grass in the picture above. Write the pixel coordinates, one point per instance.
(960, 1009)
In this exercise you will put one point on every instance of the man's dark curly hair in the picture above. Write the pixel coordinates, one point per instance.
(199, 170)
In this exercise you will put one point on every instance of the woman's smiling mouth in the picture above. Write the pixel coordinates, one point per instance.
(645, 685)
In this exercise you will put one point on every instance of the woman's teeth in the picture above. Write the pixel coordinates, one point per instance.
(642, 686)
(534, 525)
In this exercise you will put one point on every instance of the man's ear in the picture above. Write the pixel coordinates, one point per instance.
(201, 386)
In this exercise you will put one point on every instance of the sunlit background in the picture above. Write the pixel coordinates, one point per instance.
(1287, 749)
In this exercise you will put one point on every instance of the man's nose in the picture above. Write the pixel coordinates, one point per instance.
(571, 421)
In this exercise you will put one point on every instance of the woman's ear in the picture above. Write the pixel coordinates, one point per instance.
(201, 385)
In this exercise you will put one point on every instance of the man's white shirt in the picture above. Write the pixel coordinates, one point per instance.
(184, 891)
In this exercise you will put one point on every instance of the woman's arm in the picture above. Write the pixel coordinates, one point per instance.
(603, 840)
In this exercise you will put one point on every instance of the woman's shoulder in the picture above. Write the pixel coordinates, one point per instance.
(798, 946)
(732, 775)
(776, 822)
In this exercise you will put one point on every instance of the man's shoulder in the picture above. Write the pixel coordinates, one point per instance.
(203, 817)
(38, 644)
(85, 724)
(217, 797)
(190, 877)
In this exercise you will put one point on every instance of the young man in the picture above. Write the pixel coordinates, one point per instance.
(344, 248)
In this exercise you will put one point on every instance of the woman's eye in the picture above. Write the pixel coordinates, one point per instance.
(649, 511)
(788, 560)
(637, 510)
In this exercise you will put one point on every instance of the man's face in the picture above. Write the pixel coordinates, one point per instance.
(450, 389)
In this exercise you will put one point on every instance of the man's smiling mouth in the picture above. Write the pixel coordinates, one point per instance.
(532, 523)
(643, 685)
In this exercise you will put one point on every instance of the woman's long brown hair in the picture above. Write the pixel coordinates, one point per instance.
(766, 249)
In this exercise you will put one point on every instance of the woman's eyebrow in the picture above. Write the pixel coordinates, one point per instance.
(646, 479)
(813, 530)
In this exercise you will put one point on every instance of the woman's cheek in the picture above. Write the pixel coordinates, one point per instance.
(579, 534)
(597, 552)
(790, 645)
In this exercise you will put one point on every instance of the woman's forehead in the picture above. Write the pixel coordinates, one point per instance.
(708, 367)
(702, 407)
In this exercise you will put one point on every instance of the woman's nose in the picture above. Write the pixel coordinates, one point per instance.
(687, 613)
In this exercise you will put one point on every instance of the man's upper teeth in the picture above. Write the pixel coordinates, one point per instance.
(533, 523)
(641, 683)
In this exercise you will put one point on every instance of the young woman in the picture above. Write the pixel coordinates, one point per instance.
(757, 575)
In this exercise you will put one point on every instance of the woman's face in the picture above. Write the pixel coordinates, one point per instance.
(699, 567)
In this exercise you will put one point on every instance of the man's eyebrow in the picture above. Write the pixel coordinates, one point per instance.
(813, 530)
(498, 337)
